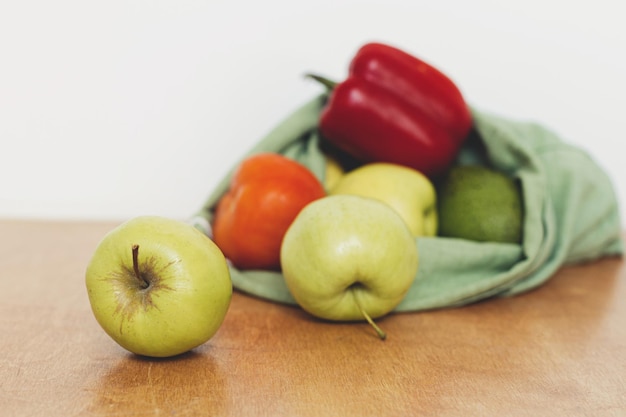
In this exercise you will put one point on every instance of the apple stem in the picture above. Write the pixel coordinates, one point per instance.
(381, 334)
(142, 281)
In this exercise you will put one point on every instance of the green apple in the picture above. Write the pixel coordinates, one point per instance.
(482, 204)
(159, 287)
(406, 190)
(349, 258)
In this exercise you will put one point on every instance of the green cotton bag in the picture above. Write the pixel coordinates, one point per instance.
(570, 214)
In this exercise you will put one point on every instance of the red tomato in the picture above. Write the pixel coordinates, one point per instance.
(266, 193)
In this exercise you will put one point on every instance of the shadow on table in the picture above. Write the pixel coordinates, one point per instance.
(183, 385)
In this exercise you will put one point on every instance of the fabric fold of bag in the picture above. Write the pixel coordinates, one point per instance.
(571, 214)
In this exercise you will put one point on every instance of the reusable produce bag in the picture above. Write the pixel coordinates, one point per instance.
(570, 214)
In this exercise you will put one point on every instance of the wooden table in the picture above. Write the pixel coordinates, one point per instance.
(560, 350)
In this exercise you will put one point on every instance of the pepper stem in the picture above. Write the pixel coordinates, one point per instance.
(140, 278)
(329, 84)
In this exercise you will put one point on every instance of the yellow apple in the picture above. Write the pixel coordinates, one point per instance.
(409, 192)
(333, 172)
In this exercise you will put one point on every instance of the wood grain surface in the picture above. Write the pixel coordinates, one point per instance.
(557, 351)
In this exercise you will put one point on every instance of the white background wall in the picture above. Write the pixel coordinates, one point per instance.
(118, 108)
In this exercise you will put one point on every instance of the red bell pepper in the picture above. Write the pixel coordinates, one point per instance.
(394, 107)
